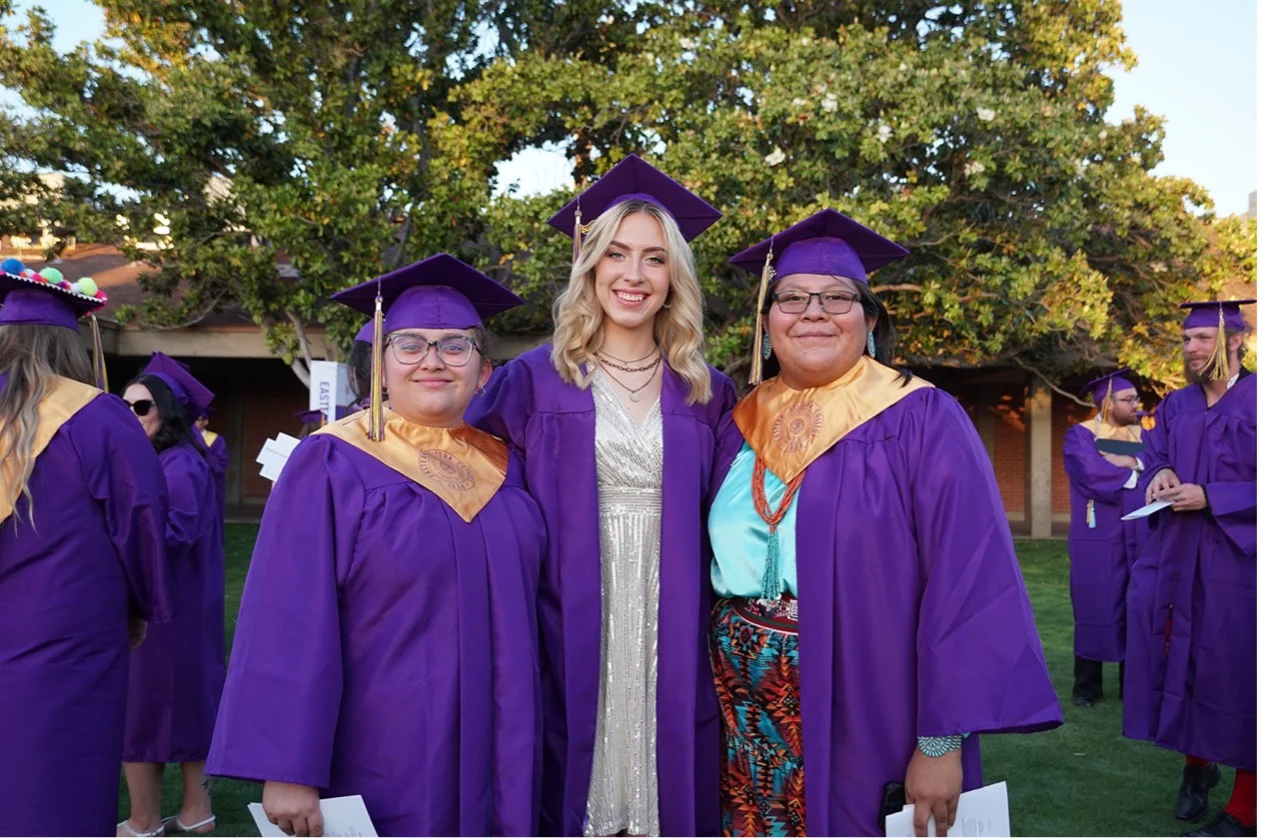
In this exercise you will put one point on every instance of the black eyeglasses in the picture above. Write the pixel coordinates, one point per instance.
(141, 407)
(833, 303)
(453, 350)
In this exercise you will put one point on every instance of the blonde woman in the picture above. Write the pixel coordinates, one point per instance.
(616, 420)
(82, 564)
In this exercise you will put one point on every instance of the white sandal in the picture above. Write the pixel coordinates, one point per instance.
(125, 826)
(186, 829)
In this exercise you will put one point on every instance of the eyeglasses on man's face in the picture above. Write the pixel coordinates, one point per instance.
(411, 349)
(793, 302)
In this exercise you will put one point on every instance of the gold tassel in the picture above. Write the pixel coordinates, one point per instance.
(768, 275)
(376, 408)
(577, 233)
(98, 357)
(1218, 367)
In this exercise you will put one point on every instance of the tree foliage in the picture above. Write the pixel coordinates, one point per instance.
(349, 137)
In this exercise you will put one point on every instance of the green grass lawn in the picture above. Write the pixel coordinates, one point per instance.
(1080, 779)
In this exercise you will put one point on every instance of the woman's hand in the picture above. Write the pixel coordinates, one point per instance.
(1161, 483)
(933, 786)
(294, 809)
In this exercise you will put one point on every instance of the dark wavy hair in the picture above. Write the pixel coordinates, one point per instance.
(359, 360)
(885, 335)
(176, 427)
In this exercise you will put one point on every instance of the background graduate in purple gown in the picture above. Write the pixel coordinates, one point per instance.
(216, 456)
(1191, 657)
(616, 419)
(81, 567)
(915, 625)
(1103, 487)
(177, 675)
(387, 641)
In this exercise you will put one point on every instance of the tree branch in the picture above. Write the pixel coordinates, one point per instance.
(1052, 385)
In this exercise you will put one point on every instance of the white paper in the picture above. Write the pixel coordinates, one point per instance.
(1146, 510)
(275, 454)
(344, 816)
(981, 813)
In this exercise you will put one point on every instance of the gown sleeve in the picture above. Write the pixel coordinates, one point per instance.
(505, 407)
(124, 475)
(1097, 477)
(279, 711)
(980, 662)
(1233, 506)
(184, 516)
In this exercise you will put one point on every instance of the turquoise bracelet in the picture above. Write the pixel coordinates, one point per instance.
(937, 746)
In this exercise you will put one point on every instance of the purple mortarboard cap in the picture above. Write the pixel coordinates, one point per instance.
(826, 243)
(440, 292)
(30, 301)
(1206, 313)
(1098, 388)
(635, 178)
(365, 332)
(313, 415)
(188, 392)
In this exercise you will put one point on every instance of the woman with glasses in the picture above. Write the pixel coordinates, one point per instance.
(386, 645)
(1102, 461)
(856, 508)
(616, 418)
(177, 675)
(81, 565)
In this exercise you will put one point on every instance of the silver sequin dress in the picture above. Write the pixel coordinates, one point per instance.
(623, 793)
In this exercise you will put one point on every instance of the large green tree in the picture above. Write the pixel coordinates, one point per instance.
(346, 137)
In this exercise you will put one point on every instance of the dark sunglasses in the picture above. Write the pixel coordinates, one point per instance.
(141, 407)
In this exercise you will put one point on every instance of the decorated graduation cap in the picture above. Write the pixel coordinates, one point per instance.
(1224, 315)
(193, 396)
(47, 298)
(826, 243)
(633, 178)
(440, 292)
(1102, 389)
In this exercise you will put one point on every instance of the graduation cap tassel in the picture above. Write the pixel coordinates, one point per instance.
(376, 408)
(768, 274)
(98, 357)
(577, 233)
(1218, 367)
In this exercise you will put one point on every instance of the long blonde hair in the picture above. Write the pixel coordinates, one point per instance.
(31, 355)
(579, 318)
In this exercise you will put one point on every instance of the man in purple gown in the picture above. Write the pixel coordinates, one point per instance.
(216, 458)
(92, 558)
(1103, 467)
(387, 640)
(1191, 680)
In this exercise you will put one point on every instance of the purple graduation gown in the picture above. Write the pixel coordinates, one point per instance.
(553, 423)
(177, 674)
(1191, 658)
(217, 459)
(1100, 555)
(95, 555)
(387, 648)
(914, 618)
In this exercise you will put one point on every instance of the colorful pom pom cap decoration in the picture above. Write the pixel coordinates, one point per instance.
(47, 298)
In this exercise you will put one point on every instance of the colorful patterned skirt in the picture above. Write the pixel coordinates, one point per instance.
(753, 650)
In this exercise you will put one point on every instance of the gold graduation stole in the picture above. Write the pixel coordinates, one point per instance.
(463, 466)
(789, 429)
(64, 400)
(209, 437)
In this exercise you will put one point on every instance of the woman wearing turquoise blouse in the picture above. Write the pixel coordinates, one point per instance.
(856, 507)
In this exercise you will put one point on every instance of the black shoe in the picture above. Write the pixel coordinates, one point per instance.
(1223, 825)
(1084, 702)
(1193, 795)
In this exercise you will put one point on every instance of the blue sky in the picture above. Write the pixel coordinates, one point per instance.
(1198, 70)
